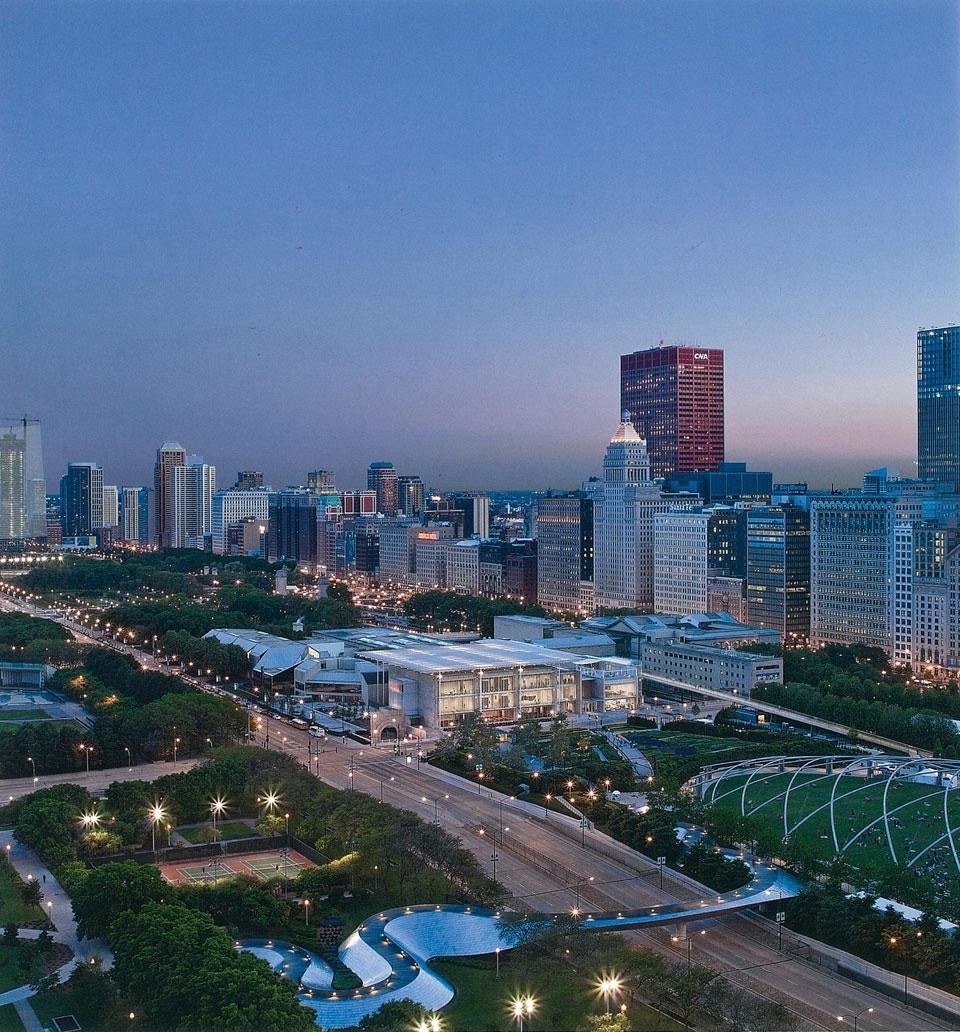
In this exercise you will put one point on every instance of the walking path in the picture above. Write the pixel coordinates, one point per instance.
(57, 904)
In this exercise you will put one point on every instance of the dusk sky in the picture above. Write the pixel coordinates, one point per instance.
(301, 235)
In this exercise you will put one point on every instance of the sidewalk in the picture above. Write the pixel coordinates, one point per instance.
(57, 904)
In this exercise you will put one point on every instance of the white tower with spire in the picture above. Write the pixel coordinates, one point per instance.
(624, 507)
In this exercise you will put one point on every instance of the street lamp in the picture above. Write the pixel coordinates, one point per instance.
(87, 749)
(33, 765)
(156, 814)
(856, 1017)
(306, 912)
(494, 858)
(217, 806)
(609, 985)
(676, 938)
(522, 1007)
(126, 749)
(176, 743)
(89, 820)
(579, 883)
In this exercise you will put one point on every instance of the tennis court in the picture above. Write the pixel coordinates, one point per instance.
(277, 863)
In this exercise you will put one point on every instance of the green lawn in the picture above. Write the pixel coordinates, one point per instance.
(77, 1002)
(916, 822)
(679, 743)
(10, 1020)
(11, 977)
(12, 907)
(227, 830)
(564, 999)
(34, 713)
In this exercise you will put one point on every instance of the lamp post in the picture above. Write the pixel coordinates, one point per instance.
(33, 766)
(609, 985)
(497, 952)
(217, 806)
(661, 860)
(176, 743)
(579, 883)
(546, 803)
(856, 1017)
(156, 814)
(522, 1007)
(676, 938)
(494, 857)
(391, 778)
(126, 749)
(306, 912)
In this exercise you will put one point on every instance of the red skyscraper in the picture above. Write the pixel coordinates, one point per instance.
(675, 398)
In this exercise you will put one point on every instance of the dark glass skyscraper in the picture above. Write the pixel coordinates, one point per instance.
(675, 398)
(938, 404)
(778, 570)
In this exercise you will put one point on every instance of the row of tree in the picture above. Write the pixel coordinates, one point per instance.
(452, 611)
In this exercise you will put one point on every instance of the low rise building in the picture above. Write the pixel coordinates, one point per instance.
(726, 670)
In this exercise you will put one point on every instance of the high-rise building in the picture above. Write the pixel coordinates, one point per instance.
(675, 399)
(81, 499)
(476, 512)
(248, 479)
(169, 456)
(409, 495)
(321, 480)
(938, 405)
(13, 506)
(778, 570)
(189, 503)
(232, 507)
(853, 569)
(292, 531)
(729, 483)
(564, 526)
(625, 504)
(382, 478)
(111, 506)
(23, 491)
(129, 505)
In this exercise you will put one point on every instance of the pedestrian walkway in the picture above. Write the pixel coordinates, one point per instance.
(641, 765)
(28, 1016)
(56, 903)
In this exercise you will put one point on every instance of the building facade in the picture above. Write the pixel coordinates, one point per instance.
(853, 571)
(169, 457)
(382, 478)
(675, 399)
(565, 551)
(938, 405)
(232, 507)
(778, 570)
(81, 499)
(189, 500)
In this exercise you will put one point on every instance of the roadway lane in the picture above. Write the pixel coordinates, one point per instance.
(96, 781)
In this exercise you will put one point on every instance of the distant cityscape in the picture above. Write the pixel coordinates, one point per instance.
(670, 527)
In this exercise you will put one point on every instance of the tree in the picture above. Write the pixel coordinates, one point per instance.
(110, 890)
(395, 1016)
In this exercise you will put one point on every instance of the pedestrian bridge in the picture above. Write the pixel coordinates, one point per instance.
(390, 952)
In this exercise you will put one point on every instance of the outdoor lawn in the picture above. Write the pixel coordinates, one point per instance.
(33, 713)
(227, 830)
(10, 1020)
(916, 812)
(13, 909)
(481, 1002)
(679, 743)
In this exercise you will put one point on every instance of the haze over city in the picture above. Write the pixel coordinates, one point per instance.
(302, 235)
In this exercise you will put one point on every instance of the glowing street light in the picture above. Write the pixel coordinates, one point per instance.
(270, 801)
(156, 813)
(89, 820)
(217, 807)
(522, 1007)
(609, 985)
(856, 1017)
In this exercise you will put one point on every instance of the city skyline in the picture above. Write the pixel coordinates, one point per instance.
(331, 235)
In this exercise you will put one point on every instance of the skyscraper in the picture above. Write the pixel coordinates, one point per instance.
(625, 504)
(13, 509)
(409, 495)
(382, 478)
(169, 456)
(564, 526)
(81, 499)
(23, 491)
(778, 569)
(938, 404)
(321, 480)
(189, 501)
(675, 399)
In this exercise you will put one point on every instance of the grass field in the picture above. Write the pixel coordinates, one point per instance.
(34, 713)
(679, 743)
(915, 810)
(10, 1020)
(228, 830)
(482, 1000)
(12, 907)
(11, 977)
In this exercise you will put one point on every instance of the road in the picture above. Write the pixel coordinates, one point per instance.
(96, 782)
(541, 866)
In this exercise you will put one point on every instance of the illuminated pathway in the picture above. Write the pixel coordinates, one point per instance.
(390, 952)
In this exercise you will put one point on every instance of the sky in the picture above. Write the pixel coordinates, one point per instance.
(302, 235)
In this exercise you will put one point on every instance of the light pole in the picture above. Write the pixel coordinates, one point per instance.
(306, 912)
(522, 1007)
(501, 804)
(494, 857)
(156, 814)
(87, 749)
(497, 952)
(609, 985)
(661, 860)
(676, 938)
(579, 883)
(546, 803)
(781, 917)
(391, 778)
(217, 806)
(33, 765)
(176, 743)
(856, 1017)
(126, 749)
